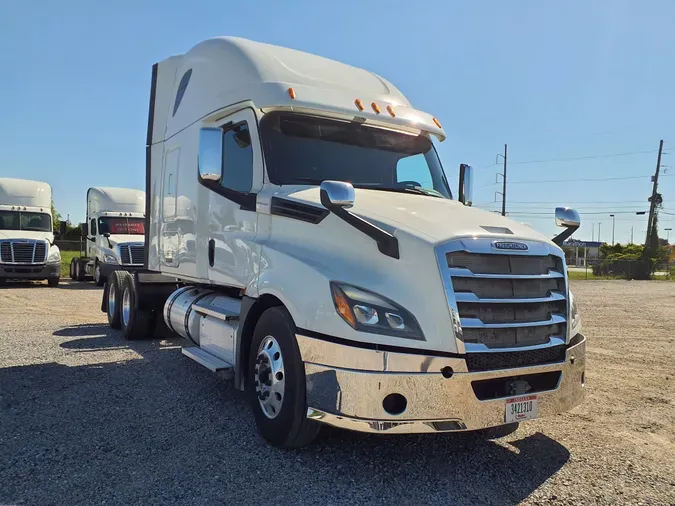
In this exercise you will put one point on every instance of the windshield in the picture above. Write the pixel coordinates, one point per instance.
(302, 149)
(24, 220)
(132, 226)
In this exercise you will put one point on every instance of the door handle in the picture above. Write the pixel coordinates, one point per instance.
(212, 252)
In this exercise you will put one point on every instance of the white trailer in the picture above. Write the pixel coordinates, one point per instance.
(114, 233)
(320, 259)
(27, 250)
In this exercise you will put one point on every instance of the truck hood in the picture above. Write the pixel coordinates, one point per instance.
(26, 234)
(125, 238)
(430, 218)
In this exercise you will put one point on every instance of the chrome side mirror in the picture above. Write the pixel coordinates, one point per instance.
(465, 193)
(210, 158)
(337, 194)
(566, 217)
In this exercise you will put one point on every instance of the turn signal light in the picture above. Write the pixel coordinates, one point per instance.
(291, 93)
(342, 306)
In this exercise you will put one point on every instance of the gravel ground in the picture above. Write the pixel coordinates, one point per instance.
(87, 418)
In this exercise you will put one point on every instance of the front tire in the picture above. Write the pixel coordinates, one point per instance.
(72, 268)
(79, 271)
(99, 280)
(136, 323)
(276, 382)
(114, 287)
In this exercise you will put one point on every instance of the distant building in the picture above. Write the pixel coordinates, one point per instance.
(671, 253)
(578, 253)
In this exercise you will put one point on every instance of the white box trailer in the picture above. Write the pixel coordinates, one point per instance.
(114, 233)
(27, 250)
(302, 237)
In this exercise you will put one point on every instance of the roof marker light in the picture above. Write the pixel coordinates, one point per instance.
(391, 111)
(375, 107)
(359, 104)
(291, 93)
(438, 123)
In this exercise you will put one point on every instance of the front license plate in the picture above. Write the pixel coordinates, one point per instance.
(521, 408)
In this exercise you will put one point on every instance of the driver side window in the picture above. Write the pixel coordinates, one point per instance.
(414, 170)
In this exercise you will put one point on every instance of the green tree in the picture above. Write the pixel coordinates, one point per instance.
(56, 219)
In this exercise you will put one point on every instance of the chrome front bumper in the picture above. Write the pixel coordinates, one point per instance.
(346, 387)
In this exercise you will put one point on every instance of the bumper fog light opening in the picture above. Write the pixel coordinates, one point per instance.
(394, 404)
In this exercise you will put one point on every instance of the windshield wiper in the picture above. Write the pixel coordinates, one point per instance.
(404, 189)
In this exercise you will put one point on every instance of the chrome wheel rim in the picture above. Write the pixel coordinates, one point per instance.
(270, 377)
(97, 273)
(111, 300)
(126, 307)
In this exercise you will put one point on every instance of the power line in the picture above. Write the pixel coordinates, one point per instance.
(587, 180)
(590, 157)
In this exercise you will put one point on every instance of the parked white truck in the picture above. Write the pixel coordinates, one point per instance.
(329, 269)
(27, 250)
(114, 231)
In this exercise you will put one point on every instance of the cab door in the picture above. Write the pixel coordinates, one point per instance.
(231, 167)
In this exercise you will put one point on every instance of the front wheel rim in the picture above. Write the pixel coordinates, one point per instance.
(111, 300)
(270, 377)
(97, 273)
(126, 307)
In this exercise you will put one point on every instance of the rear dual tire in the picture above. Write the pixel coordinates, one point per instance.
(123, 314)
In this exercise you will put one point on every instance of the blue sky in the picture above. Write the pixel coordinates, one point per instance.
(554, 80)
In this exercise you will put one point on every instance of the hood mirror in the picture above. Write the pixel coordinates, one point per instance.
(465, 193)
(337, 194)
(568, 218)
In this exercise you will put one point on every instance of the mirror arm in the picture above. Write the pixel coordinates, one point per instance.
(564, 235)
(386, 243)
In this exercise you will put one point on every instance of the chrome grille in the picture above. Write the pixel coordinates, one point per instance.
(23, 252)
(132, 254)
(505, 300)
(136, 253)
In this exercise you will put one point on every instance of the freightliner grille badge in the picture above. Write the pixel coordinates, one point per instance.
(510, 245)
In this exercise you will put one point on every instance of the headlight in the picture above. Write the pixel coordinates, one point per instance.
(369, 312)
(109, 259)
(54, 255)
(575, 318)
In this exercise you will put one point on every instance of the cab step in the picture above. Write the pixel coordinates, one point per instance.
(212, 363)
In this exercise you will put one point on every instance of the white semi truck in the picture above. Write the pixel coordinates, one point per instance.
(114, 234)
(324, 263)
(27, 250)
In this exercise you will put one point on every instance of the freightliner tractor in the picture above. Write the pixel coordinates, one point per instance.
(321, 260)
(27, 249)
(114, 234)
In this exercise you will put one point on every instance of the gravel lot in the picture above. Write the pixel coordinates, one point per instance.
(87, 418)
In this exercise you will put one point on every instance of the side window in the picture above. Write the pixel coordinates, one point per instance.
(414, 169)
(237, 159)
(102, 226)
(181, 90)
(92, 227)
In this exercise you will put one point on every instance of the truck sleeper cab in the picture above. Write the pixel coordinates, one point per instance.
(114, 234)
(322, 262)
(27, 249)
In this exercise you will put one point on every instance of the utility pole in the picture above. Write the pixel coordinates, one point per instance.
(599, 231)
(613, 223)
(667, 234)
(631, 234)
(503, 174)
(504, 185)
(652, 204)
(593, 232)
